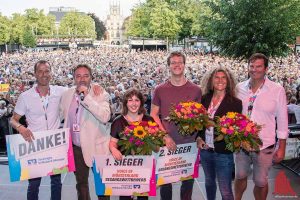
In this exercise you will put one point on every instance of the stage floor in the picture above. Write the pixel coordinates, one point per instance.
(17, 190)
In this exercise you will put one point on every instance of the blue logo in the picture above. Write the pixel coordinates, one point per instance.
(136, 186)
(32, 162)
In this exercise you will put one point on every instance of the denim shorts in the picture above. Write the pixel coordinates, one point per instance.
(262, 162)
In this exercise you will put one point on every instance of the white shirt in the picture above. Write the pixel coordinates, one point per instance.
(269, 104)
(297, 114)
(291, 108)
(30, 104)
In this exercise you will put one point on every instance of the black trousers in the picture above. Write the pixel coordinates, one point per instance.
(186, 190)
(82, 176)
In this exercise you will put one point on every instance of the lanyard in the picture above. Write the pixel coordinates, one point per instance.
(45, 103)
(77, 114)
(213, 108)
(252, 98)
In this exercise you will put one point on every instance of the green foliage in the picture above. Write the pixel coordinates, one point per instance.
(99, 25)
(33, 20)
(241, 28)
(29, 39)
(163, 23)
(168, 19)
(139, 23)
(74, 23)
(17, 28)
(39, 23)
(4, 30)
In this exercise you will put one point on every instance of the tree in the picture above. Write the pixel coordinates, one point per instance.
(99, 25)
(4, 29)
(29, 39)
(201, 15)
(39, 23)
(139, 23)
(242, 27)
(17, 28)
(76, 24)
(163, 21)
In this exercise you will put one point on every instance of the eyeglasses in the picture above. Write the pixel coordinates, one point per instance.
(174, 63)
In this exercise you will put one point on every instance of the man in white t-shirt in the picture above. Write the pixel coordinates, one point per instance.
(40, 105)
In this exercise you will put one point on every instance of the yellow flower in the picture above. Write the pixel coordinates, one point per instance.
(187, 104)
(197, 105)
(139, 132)
(150, 123)
(231, 115)
(136, 123)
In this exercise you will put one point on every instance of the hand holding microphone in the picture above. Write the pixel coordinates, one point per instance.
(82, 91)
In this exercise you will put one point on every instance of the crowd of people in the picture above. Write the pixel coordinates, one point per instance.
(118, 69)
(161, 79)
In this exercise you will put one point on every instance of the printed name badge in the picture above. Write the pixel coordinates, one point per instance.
(209, 137)
(76, 128)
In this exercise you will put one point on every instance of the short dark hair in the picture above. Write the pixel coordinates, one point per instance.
(84, 66)
(257, 56)
(129, 94)
(40, 62)
(173, 54)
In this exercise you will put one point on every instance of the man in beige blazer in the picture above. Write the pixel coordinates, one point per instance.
(85, 109)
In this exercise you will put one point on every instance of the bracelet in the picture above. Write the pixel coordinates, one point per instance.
(18, 126)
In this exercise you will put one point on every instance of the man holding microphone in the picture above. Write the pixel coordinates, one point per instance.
(85, 112)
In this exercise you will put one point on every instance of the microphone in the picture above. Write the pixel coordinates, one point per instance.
(81, 95)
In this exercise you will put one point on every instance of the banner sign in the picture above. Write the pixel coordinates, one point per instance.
(49, 153)
(181, 164)
(133, 175)
(292, 148)
(4, 88)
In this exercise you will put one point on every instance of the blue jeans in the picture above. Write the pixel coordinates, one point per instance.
(220, 166)
(34, 184)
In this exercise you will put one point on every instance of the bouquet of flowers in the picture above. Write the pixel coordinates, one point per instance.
(141, 138)
(238, 131)
(190, 117)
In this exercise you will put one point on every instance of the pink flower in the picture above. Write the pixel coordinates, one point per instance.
(178, 107)
(229, 132)
(191, 115)
(131, 127)
(131, 139)
(241, 123)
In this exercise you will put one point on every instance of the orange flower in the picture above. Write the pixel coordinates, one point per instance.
(223, 130)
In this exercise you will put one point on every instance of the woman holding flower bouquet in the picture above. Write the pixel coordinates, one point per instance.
(217, 162)
(133, 131)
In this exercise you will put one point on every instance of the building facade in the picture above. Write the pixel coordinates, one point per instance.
(114, 25)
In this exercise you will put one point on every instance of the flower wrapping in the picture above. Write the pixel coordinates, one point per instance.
(190, 117)
(141, 138)
(239, 132)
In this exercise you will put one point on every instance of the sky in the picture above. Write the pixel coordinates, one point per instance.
(99, 7)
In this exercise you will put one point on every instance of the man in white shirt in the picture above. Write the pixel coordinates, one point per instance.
(265, 103)
(40, 105)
